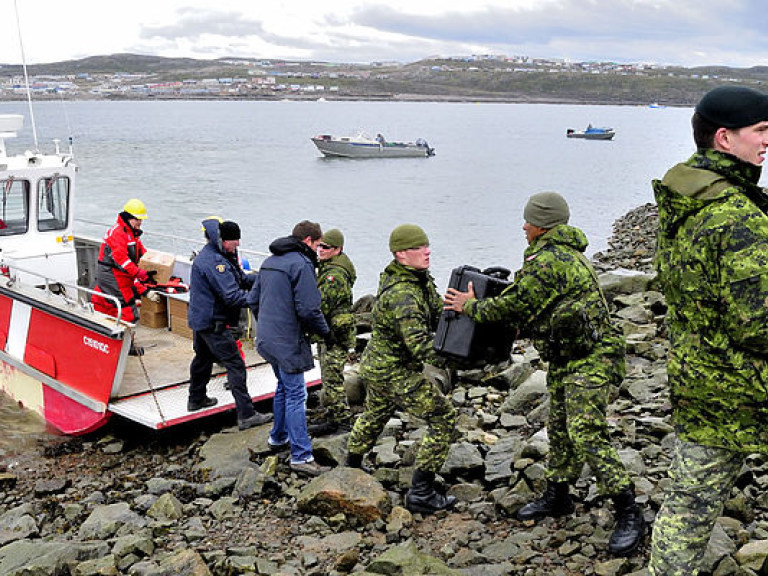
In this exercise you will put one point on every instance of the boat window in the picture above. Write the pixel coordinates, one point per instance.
(52, 203)
(14, 210)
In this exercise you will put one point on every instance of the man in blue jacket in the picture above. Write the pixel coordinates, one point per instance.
(286, 304)
(218, 290)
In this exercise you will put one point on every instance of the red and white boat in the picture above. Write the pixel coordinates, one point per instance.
(58, 356)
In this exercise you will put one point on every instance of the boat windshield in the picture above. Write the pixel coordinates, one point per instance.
(14, 207)
(53, 203)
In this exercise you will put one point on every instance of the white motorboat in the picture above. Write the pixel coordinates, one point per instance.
(362, 146)
(591, 133)
(61, 358)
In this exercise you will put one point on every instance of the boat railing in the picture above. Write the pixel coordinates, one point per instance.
(58, 288)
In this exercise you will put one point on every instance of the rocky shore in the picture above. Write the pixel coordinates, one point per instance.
(209, 499)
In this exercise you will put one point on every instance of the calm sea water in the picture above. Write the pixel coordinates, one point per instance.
(253, 162)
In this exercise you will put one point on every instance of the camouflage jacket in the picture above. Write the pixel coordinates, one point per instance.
(335, 280)
(555, 299)
(404, 320)
(712, 259)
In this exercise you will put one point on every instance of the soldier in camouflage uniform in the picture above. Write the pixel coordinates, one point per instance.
(712, 259)
(404, 319)
(335, 279)
(556, 300)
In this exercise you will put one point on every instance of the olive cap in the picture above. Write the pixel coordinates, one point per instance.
(333, 238)
(407, 236)
(546, 210)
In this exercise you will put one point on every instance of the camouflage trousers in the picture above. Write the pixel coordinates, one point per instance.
(418, 397)
(335, 401)
(577, 427)
(701, 481)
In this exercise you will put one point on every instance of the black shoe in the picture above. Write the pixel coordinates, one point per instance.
(322, 428)
(630, 524)
(422, 496)
(256, 420)
(206, 402)
(136, 351)
(356, 461)
(555, 502)
(279, 448)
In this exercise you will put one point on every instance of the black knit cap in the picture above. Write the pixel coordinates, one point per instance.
(229, 230)
(733, 106)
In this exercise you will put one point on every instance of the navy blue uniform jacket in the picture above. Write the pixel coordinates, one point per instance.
(286, 304)
(218, 287)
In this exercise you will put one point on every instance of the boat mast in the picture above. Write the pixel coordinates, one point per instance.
(26, 77)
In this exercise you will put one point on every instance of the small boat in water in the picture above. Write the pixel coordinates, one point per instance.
(362, 146)
(591, 133)
(61, 358)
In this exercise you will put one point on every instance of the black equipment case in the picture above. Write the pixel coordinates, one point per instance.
(458, 336)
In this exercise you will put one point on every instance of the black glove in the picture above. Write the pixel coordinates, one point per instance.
(330, 340)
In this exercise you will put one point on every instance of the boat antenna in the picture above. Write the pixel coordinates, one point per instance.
(26, 76)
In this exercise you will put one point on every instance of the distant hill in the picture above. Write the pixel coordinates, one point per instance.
(128, 63)
(529, 80)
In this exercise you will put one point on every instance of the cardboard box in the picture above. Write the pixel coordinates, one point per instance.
(179, 326)
(160, 262)
(152, 307)
(178, 305)
(153, 319)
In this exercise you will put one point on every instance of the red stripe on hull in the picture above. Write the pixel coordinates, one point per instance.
(81, 359)
(68, 416)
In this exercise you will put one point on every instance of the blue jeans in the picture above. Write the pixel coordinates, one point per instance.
(290, 412)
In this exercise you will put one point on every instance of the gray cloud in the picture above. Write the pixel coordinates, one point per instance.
(687, 32)
(601, 30)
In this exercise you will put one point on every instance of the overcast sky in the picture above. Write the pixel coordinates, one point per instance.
(682, 32)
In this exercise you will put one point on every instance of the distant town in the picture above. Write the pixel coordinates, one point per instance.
(477, 77)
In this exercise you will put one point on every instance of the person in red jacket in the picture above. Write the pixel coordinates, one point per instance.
(118, 273)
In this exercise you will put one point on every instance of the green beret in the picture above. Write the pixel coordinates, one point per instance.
(333, 238)
(407, 236)
(733, 106)
(546, 210)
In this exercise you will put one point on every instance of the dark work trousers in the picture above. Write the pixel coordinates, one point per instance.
(220, 347)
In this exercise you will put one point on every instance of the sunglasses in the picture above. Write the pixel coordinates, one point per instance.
(324, 246)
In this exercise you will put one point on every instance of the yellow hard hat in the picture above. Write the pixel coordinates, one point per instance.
(136, 208)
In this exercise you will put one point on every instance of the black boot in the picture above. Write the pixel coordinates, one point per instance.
(324, 428)
(630, 524)
(422, 496)
(555, 502)
(356, 461)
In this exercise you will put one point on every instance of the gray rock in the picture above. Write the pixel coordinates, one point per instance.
(752, 555)
(623, 281)
(347, 490)
(138, 544)
(167, 507)
(227, 454)
(40, 558)
(462, 457)
(498, 460)
(184, 563)
(528, 395)
(407, 559)
(17, 523)
(105, 521)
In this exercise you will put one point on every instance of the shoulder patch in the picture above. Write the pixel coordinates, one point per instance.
(221, 268)
(330, 278)
(531, 257)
